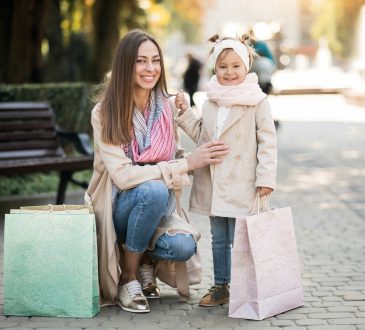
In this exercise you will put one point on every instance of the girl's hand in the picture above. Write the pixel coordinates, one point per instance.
(263, 191)
(207, 154)
(181, 102)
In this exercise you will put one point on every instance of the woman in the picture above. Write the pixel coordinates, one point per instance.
(131, 188)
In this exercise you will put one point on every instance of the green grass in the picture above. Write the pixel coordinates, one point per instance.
(38, 183)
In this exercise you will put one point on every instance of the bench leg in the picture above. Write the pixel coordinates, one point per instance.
(65, 177)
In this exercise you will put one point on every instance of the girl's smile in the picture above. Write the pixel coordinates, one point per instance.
(230, 69)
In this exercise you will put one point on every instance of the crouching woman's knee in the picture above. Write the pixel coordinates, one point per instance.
(155, 193)
(184, 246)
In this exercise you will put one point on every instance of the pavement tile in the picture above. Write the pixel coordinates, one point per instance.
(282, 323)
(308, 322)
(347, 321)
(332, 327)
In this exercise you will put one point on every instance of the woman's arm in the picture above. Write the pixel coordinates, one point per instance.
(126, 175)
(123, 172)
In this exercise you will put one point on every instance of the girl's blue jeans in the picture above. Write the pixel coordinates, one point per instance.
(136, 216)
(222, 230)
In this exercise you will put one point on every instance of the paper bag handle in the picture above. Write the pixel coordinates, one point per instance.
(52, 219)
(264, 206)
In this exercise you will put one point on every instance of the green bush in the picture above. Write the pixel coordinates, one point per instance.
(37, 183)
(70, 101)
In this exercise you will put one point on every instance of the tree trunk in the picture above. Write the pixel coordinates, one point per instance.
(106, 16)
(5, 33)
(27, 31)
(56, 65)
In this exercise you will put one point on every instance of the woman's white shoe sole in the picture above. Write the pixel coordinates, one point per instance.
(133, 310)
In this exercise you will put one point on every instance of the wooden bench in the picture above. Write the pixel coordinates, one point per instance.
(31, 142)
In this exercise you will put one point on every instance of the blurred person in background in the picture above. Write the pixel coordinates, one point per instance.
(264, 65)
(191, 76)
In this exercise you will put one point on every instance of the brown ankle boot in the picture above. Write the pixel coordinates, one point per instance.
(218, 295)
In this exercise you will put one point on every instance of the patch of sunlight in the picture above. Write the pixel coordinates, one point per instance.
(318, 145)
(315, 177)
(351, 154)
(302, 157)
(357, 171)
(332, 205)
(315, 108)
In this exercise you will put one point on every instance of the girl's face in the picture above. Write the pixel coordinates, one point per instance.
(148, 66)
(230, 69)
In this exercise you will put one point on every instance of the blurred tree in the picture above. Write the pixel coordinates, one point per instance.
(109, 19)
(183, 15)
(337, 21)
(62, 40)
(106, 16)
(55, 56)
(22, 28)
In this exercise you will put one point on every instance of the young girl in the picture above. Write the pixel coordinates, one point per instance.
(238, 113)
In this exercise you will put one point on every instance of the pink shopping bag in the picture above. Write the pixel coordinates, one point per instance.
(265, 268)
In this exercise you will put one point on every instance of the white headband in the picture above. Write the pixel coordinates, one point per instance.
(237, 46)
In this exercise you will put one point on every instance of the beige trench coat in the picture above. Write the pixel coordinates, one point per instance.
(229, 188)
(112, 165)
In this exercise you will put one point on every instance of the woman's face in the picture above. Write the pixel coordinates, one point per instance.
(230, 69)
(148, 66)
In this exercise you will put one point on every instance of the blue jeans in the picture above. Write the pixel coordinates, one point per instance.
(222, 230)
(136, 216)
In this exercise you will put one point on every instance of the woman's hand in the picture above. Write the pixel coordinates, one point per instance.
(181, 102)
(207, 154)
(263, 191)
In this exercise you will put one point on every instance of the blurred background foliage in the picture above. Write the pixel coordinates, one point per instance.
(73, 40)
(337, 21)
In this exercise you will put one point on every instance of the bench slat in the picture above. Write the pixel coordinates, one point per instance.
(26, 106)
(26, 145)
(26, 136)
(31, 153)
(24, 166)
(26, 125)
(11, 115)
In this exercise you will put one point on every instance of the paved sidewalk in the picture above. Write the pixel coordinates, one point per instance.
(322, 177)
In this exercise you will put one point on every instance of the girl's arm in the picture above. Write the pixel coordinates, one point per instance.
(266, 147)
(186, 118)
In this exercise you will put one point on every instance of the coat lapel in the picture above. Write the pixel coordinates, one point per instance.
(236, 113)
(210, 120)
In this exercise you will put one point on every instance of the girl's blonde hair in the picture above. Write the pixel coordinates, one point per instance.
(244, 39)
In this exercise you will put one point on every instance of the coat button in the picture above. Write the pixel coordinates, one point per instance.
(238, 157)
(239, 135)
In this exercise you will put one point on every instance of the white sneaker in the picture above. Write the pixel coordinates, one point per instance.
(131, 298)
(149, 284)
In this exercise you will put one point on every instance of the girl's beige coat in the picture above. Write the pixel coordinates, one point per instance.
(229, 188)
(112, 165)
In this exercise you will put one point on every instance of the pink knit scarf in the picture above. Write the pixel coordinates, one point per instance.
(246, 93)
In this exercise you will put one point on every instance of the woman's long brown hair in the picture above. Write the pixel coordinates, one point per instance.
(117, 104)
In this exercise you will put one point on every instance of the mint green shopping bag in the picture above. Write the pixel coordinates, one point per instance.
(50, 262)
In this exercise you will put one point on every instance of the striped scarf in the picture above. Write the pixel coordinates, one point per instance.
(153, 131)
(154, 139)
